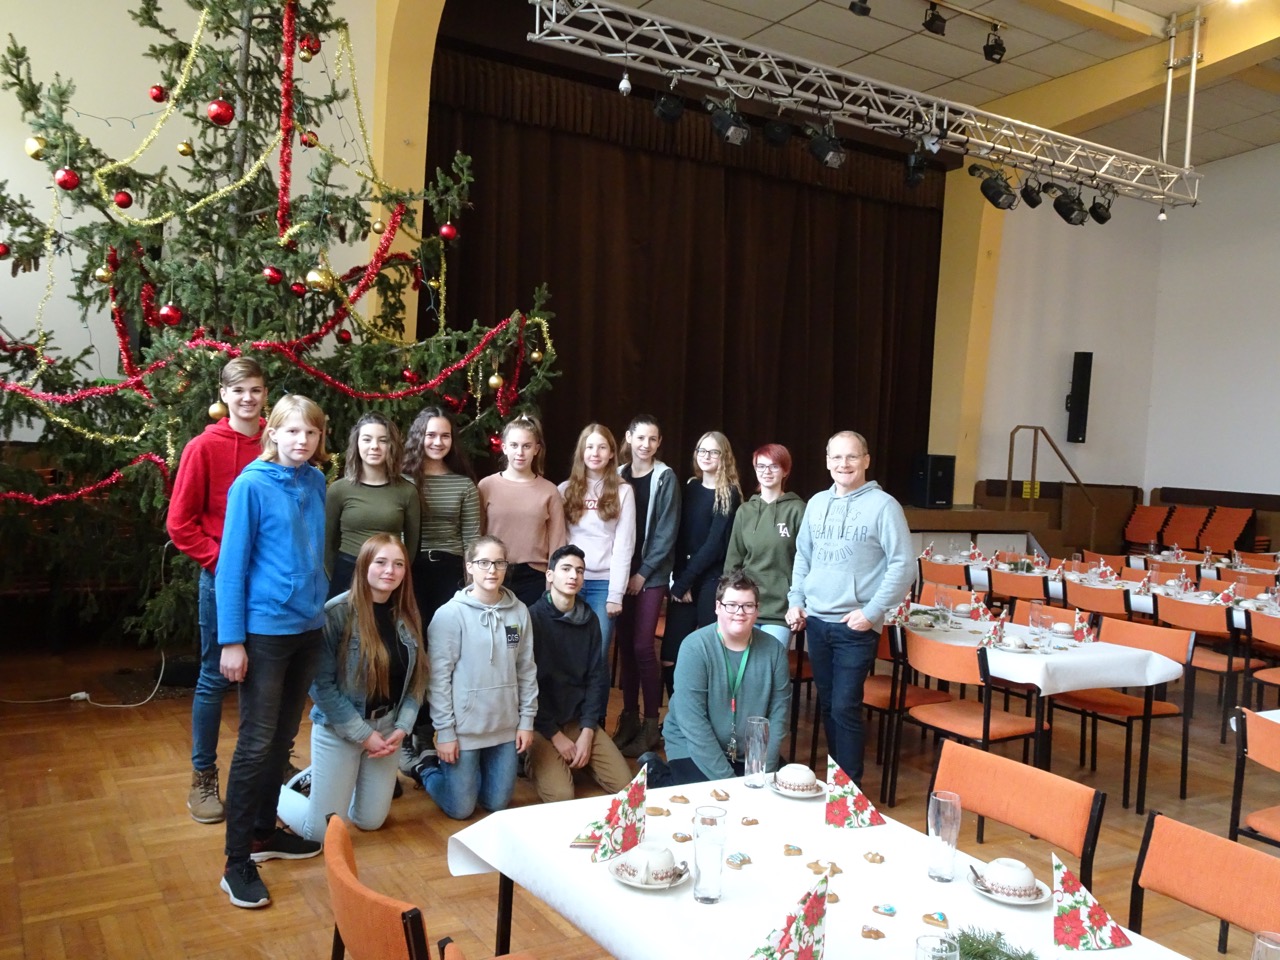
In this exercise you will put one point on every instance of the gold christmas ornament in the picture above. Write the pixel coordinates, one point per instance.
(319, 280)
(496, 382)
(104, 274)
(378, 226)
(35, 147)
(185, 148)
(434, 283)
(217, 410)
(305, 55)
(535, 356)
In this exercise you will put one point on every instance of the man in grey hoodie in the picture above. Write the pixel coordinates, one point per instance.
(853, 565)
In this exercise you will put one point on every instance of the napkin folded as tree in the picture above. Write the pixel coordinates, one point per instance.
(1143, 589)
(977, 609)
(803, 932)
(1178, 555)
(1083, 632)
(900, 613)
(928, 552)
(622, 827)
(994, 636)
(1227, 596)
(847, 806)
(1105, 573)
(974, 555)
(1039, 563)
(1079, 921)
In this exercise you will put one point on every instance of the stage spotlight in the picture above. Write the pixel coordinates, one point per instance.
(825, 148)
(1070, 208)
(1100, 210)
(1031, 193)
(624, 85)
(860, 8)
(933, 21)
(993, 49)
(730, 126)
(777, 133)
(668, 107)
(998, 192)
(916, 164)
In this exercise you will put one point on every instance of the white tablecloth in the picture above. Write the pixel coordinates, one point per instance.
(530, 845)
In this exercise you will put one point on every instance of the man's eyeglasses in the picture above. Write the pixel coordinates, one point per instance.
(731, 607)
(487, 565)
(704, 452)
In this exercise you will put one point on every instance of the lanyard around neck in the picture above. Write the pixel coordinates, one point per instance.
(737, 681)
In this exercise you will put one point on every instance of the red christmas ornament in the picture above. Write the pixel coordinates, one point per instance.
(448, 231)
(227, 331)
(67, 178)
(344, 336)
(198, 333)
(4, 250)
(408, 376)
(158, 93)
(171, 314)
(495, 443)
(308, 138)
(123, 199)
(310, 43)
(221, 112)
(272, 275)
(299, 289)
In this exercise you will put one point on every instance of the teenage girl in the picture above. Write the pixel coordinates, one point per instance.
(657, 508)
(711, 497)
(601, 513)
(763, 541)
(270, 596)
(369, 683)
(523, 509)
(371, 497)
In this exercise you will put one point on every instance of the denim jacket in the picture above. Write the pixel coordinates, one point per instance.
(343, 710)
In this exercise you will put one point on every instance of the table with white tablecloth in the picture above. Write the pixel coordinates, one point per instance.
(530, 846)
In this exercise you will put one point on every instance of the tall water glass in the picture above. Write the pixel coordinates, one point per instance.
(947, 605)
(1036, 620)
(1266, 946)
(757, 750)
(944, 833)
(709, 827)
(930, 947)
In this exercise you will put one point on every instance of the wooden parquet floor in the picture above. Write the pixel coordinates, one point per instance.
(99, 858)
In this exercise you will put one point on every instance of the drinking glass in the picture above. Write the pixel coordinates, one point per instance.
(931, 947)
(1077, 557)
(1266, 946)
(757, 750)
(709, 827)
(944, 832)
(1035, 619)
(947, 605)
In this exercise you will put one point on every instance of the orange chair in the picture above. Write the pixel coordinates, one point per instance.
(1251, 578)
(1124, 709)
(1108, 601)
(1144, 524)
(1184, 525)
(1234, 883)
(1261, 561)
(380, 927)
(1132, 574)
(1013, 793)
(927, 595)
(1114, 560)
(888, 694)
(1224, 528)
(972, 721)
(1019, 585)
(1257, 739)
(1162, 571)
(1263, 632)
(947, 574)
(1022, 613)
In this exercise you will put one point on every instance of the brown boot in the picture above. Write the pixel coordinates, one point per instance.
(203, 800)
(627, 728)
(647, 739)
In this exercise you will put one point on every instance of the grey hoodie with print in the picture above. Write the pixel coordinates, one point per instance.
(484, 684)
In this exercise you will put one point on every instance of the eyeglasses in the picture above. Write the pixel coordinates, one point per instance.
(704, 452)
(845, 458)
(767, 467)
(487, 565)
(731, 607)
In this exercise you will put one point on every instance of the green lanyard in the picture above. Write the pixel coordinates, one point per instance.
(737, 681)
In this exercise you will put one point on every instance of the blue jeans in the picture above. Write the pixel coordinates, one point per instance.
(841, 659)
(272, 697)
(595, 594)
(779, 632)
(211, 687)
(484, 777)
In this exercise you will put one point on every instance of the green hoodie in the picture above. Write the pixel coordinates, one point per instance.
(763, 542)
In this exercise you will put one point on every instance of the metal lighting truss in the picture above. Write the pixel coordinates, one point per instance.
(689, 55)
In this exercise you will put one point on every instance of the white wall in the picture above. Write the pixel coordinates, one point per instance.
(100, 48)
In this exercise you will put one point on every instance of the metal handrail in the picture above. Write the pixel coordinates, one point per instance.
(1035, 451)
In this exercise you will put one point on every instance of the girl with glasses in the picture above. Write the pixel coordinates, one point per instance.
(763, 541)
(711, 498)
(523, 508)
(483, 689)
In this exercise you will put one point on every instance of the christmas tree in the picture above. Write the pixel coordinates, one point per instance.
(230, 251)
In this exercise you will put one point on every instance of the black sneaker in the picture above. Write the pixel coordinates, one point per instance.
(427, 760)
(283, 845)
(240, 881)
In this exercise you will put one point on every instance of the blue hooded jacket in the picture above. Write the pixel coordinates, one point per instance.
(270, 577)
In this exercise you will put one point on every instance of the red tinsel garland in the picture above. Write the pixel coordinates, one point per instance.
(8, 347)
(117, 317)
(505, 397)
(148, 295)
(286, 117)
(361, 268)
(113, 478)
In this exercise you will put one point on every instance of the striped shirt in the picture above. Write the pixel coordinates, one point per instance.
(450, 513)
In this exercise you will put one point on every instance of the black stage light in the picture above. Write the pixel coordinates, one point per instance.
(860, 8)
(1100, 210)
(916, 164)
(933, 21)
(998, 192)
(777, 132)
(826, 149)
(668, 107)
(1070, 208)
(1031, 193)
(730, 126)
(993, 49)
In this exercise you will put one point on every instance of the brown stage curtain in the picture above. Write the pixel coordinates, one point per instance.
(746, 290)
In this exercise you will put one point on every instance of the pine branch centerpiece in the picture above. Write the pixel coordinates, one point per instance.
(978, 944)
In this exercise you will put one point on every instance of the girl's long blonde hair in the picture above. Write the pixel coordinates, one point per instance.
(608, 506)
(284, 408)
(726, 476)
(374, 662)
(532, 426)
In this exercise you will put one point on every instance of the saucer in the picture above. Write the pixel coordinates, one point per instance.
(613, 870)
(1044, 894)
(1005, 648)
(819, 790)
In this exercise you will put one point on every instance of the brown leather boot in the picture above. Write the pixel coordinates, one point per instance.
(647, 739)
(627, 728)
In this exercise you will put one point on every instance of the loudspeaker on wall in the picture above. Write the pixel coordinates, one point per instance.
(933, 479)
(1078, 398)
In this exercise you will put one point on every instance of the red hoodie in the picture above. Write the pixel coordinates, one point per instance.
(198, 505)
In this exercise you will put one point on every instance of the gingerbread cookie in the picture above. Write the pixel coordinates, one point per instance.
(737, 860)
(871, 933)
(750, 821)
(820, 867)
(657, 811)
(679, 799)
(936, 920)
(791, 850)
(681, 837)
(872, 857)
(719, 794)
(833, 897)
(885, 909)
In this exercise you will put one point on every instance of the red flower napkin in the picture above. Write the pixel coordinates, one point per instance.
(622, 827)
(900, 613)
(995, 633)
(1143, 589)
(974, 555)
(1079, 921)
(977, 609)
(1105, 573)
(1178, 555)
(802, 935)
(1039, 563)
(1084, 632)
(928, 552)
(847, 806)
(1228, 596)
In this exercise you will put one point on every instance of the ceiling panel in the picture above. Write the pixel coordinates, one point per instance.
(806, 45)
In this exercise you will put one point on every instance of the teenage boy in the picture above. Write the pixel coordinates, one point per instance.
(197, 509)
(573, 687)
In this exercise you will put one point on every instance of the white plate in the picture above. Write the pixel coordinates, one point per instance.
(1064, 629)
(613, 870)
(1009, 649)
(819, 791)
(1045, 894)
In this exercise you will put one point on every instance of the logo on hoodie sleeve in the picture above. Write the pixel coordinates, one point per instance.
(513, 635)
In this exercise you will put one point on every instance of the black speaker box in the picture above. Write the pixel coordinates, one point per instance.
(1078, 398)
(933, 480)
